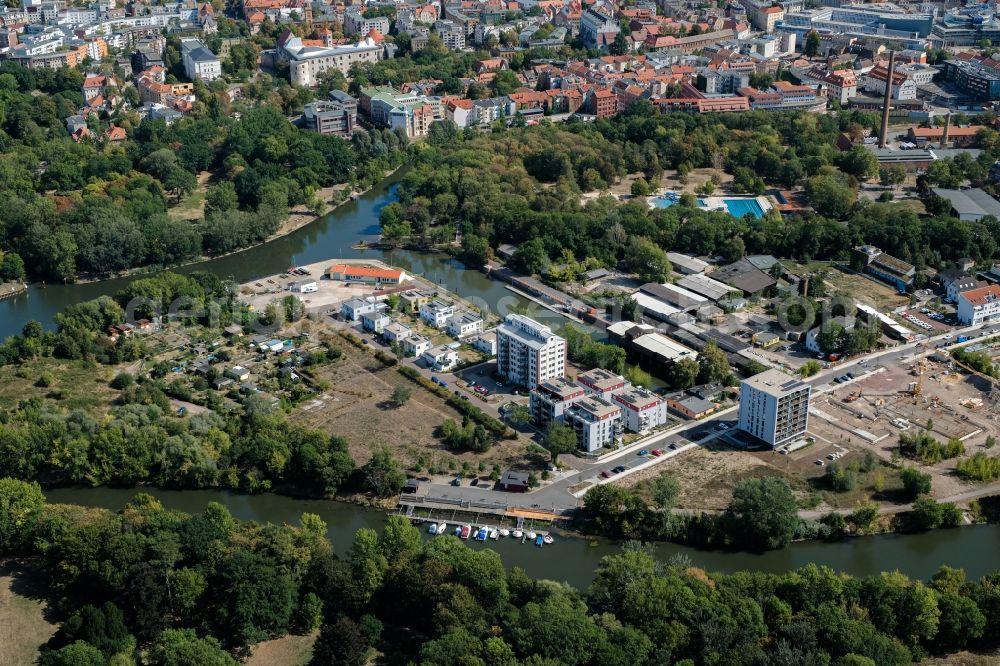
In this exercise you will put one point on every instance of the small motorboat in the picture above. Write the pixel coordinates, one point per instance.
(482, 534)
(547, 539)
(517, 534)
(442, 527)
(457, 531)
(433, 529)
(538, 541)
(504, 532)
(531, 535)
(494, 534)
(466, 531)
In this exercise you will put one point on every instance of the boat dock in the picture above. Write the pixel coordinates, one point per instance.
(12, 289)
(423, 510)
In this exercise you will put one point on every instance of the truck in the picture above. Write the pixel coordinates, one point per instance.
(962, 338)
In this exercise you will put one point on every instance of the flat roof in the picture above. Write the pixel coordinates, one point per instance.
(970, 202)
(661, 345)
(774, 382)
(704, 285)
(687, 262)
(744, 276)
(654, 305)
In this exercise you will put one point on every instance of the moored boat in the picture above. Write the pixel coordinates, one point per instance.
(538, 541)
(531, 535)
(517, 534)
(433, 529)
(442, 527)
(547, 539)
(504, 532)
(482, 534)
(494, 534)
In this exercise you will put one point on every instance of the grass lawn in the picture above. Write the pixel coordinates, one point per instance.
(75, 384)
(192, 206)
(285, 651)
(23, 627)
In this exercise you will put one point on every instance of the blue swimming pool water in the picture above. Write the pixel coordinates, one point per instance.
(740, 207)
(736, 207)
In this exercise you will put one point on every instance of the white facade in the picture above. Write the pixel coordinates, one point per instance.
(978, 306)
(552, 398)
(199, 61)
(463, 324)
(642, 410)
(396, 332)
(437, 312)
(528, 352)
(415, 345)
(774, 407)
(597, 423)
(440, 358)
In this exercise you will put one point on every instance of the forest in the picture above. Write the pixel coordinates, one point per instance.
(525, 186)
(158, 587)
(94, 208)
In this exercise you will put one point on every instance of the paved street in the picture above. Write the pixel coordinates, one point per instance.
(564, 493)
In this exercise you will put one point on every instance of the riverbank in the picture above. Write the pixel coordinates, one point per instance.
(574, 560)
(298, 218)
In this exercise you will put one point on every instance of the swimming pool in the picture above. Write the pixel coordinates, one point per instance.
(740, 207)
(736, 207)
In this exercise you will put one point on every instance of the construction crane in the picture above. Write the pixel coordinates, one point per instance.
(918, 386)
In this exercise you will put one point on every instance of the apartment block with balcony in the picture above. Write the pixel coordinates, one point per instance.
(774, 407)
(642, 410)
(601, 383)
(551, 399)
(597, 422)
(528, 352)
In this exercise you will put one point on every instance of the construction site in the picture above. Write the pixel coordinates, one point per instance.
(929, 389)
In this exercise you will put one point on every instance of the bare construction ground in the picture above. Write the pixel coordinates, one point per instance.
(871, 414)
(358, 407)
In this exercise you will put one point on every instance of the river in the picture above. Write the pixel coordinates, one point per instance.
(330, 237)
(574, 560)
(571, 560)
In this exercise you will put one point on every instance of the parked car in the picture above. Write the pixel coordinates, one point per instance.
(619, 469)
(657, 452)
(644, 452)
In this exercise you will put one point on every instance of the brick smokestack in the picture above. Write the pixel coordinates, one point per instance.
(947, 126)
(883, 137)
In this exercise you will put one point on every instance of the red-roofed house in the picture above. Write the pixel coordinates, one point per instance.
(603, 103)
(115, 135)
(977, 306)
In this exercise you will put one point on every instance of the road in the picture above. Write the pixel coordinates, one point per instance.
(563, 493)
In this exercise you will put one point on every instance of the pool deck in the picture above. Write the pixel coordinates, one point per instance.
(714, 203)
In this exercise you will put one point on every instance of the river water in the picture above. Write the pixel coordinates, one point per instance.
(574, 560)
(570, 560)
(331, 237)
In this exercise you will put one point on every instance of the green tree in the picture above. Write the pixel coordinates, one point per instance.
(340, 643)
(811, 48)
(20, 502)
(400, 395)
(763, 513)
(683, 373)
(559, 438)
(530, 257)
(648, 260)
(810, 368)
(183, 647)
(915, 482)
(713, 365)
(382, 474)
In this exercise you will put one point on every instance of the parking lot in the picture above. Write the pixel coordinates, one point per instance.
(928, 321)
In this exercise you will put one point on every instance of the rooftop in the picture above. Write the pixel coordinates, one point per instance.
(664, 347)
(973, 202)
(601, 379)
(774, 382)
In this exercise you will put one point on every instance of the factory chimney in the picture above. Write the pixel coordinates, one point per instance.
(947, 126)
(884, 135)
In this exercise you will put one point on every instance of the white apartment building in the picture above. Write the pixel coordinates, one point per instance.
(199, 61)
(415, 345)
(551, 399)
(774, 407)
(463, 324)
(528, 352)
(642, 410)
(977, 306)
(597, 423)
(601, 383)
(437, 312)
(441, 358)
